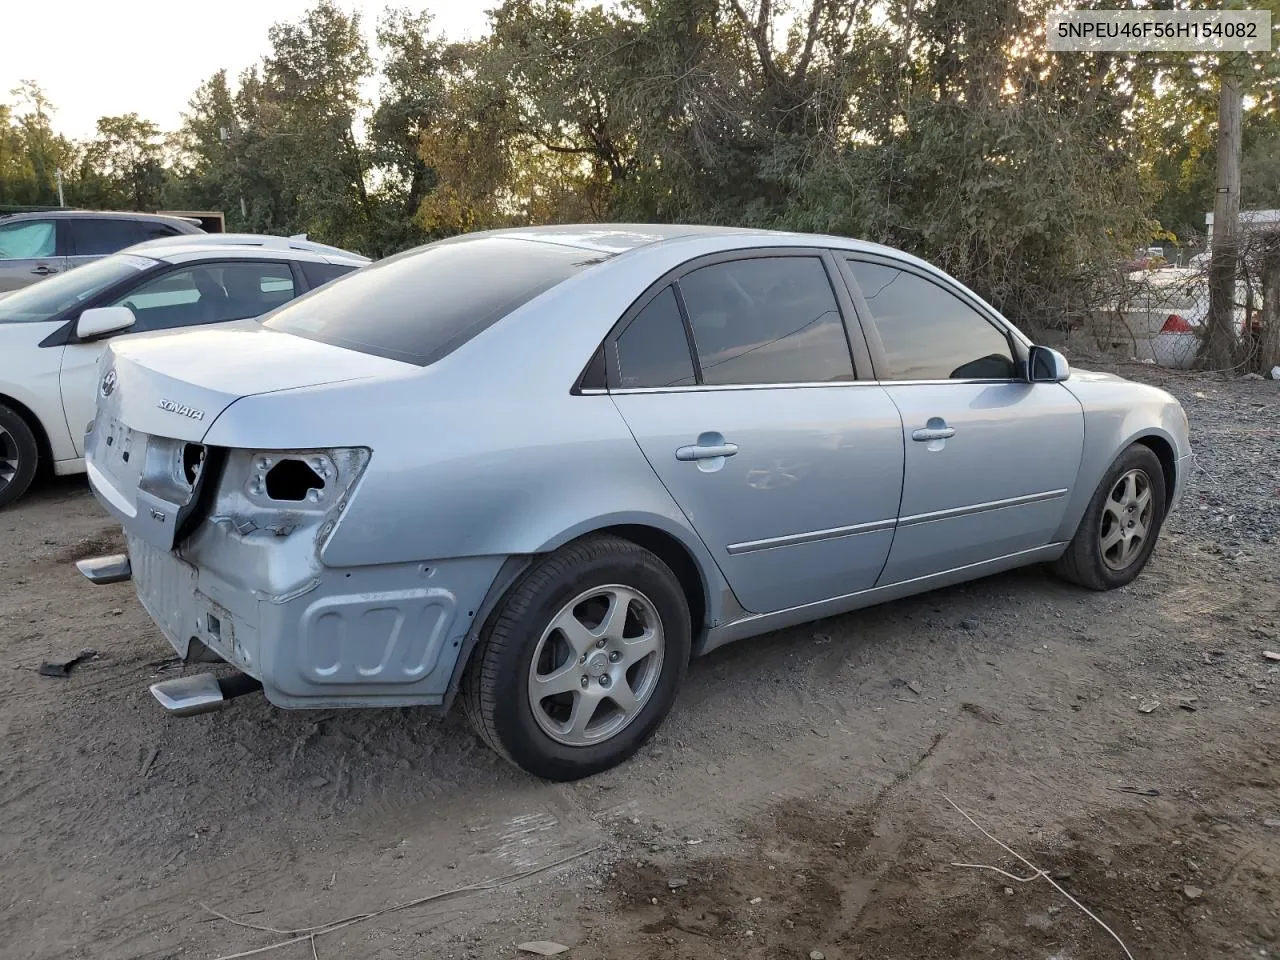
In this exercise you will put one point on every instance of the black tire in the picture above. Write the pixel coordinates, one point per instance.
(17, 442)
(495, 687)
(1084, 562)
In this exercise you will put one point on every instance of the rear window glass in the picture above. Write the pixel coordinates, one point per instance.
(420, 305)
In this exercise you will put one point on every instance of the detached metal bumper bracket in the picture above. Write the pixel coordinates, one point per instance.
(110, 569)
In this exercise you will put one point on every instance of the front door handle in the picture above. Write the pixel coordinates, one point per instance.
(925, 434)
(44, 270)
(706, 451)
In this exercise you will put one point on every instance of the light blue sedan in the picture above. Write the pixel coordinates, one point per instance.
(541, 468)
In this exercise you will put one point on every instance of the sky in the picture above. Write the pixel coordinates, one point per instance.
(98, 58)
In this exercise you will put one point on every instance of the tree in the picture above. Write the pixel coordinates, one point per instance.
(412, 95)
(122, 166)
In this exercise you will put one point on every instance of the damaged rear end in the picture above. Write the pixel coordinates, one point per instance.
(226, 544)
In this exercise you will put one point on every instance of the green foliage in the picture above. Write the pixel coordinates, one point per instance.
(940, 126)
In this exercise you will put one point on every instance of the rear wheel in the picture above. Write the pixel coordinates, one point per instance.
(1119, 529)
(581, 661)
(19, 455)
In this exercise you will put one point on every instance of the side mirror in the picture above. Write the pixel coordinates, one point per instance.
(1046, 365)
(99, 321)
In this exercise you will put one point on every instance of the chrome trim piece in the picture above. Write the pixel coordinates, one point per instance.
(696, 388)
(938, 383)
(980, 507)
(813, 536)
(706, 387)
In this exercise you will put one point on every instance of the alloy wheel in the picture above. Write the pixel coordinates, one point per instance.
(8, 457)
(596, 665)
(1126, 519)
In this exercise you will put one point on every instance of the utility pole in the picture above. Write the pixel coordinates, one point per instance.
(1219, 348)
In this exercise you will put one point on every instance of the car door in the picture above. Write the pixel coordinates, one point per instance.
(990, 458)
(188, 295)
(28, 253)
(786, 464)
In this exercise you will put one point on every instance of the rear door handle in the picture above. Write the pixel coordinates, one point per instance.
(925, 434)
(43, 270)
(706, 452)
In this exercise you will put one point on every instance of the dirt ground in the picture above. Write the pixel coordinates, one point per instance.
(793, 802)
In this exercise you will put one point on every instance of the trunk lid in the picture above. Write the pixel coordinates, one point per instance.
(159, 395)
(176, 384)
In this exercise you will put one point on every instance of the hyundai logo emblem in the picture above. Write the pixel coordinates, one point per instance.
(108, 383)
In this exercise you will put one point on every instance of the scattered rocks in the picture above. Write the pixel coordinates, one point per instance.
(675, 883)
(315, 783)
(817, 955)
(969, 624)
(1148, 706)
(1271, 655)
(1192, 892)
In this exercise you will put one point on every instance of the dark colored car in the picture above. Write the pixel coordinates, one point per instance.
(38, 245)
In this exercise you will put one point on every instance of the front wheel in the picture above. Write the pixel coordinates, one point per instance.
(19, 455)
(1119, 529)
(581, 660)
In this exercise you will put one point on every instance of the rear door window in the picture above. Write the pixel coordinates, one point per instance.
(766, 320)
(99, 237)
(431, 300)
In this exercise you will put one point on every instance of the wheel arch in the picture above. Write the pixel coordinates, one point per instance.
(687, 562)
(44, 448)
(1164, 452)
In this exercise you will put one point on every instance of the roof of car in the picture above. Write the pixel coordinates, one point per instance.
(614, 238)
(195, 247)
(66, 214)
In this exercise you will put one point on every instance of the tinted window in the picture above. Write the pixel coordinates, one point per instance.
(766, 320)
(318, 274)
(152, 230)
(209, 293)
(46, 299)
(653, 350)
(27, 240)
(929, 333)
(100, 237)
(420, 305)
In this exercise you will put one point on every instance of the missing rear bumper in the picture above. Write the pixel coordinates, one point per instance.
(114, 568)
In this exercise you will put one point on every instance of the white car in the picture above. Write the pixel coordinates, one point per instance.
(1164, 313)
(52, 333)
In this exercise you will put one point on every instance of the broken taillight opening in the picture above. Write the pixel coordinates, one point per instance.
(192, 462)
(292, 480)
(1175, 324)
